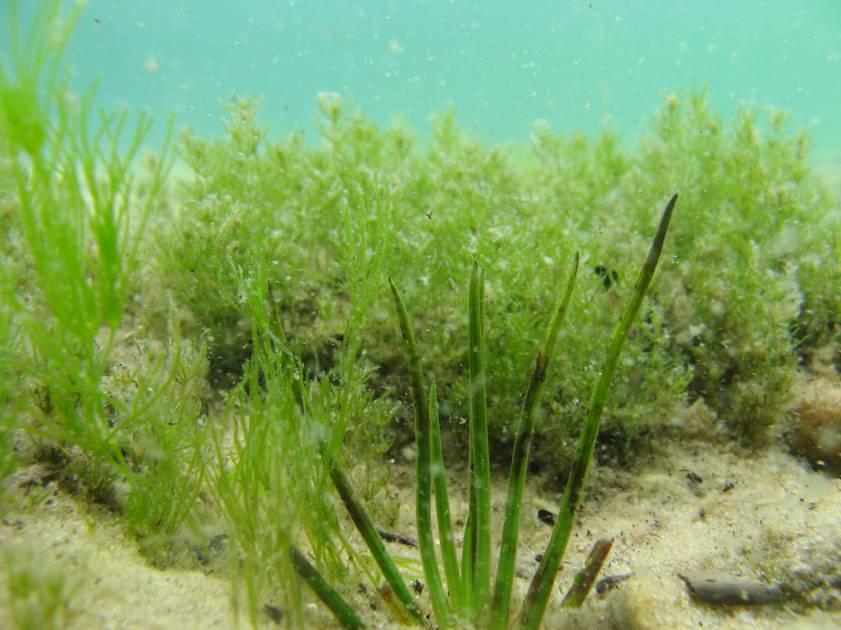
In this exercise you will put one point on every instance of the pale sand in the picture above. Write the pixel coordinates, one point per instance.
(778, 518)
(114, 586)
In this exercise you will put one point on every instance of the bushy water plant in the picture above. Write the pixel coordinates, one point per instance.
(164, 386)
(314, 215)
(115, 413)
(757, 211)
(75, 207)
(317, 214)
(267, 476)
(315, 210)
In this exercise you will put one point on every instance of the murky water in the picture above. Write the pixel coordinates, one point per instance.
(578, 64)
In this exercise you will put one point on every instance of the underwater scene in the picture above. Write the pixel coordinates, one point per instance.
(433, 313)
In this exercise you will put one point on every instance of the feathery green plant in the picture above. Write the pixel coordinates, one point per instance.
(469, 597)
(268, 476)
(80, 207)
(724, 334)
(81, 217)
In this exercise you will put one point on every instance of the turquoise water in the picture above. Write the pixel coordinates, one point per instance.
(578, 65)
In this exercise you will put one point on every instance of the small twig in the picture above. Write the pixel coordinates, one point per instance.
(583, 580)
(402, 539)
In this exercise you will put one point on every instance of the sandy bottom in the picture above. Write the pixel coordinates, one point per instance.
(110, 583)
(688, 506)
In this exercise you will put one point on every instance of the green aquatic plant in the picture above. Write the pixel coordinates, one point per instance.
(267, 475)
(125, 316)
(81, 218)
(468, 596)
(730, 331)
(264, 472)
(115, 411)
(765, 223)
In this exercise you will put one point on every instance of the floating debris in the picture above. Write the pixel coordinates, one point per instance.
(397, 538)
(274, 613)
(545, 516)
(610, 582)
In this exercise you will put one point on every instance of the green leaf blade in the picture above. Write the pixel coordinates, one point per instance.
(541, 585)
(480, 470)
(423, 507)
(442, 506)
(501, 602)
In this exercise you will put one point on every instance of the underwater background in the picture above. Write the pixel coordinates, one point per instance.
(580, 65)
(192, 362)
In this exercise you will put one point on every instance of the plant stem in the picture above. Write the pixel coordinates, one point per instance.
(468, 554)
(584, 579)
(519, 461)
(541, 585)
(375, 544)
(480, 470)
(337, 605)
(423, 507)
(442, 505)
